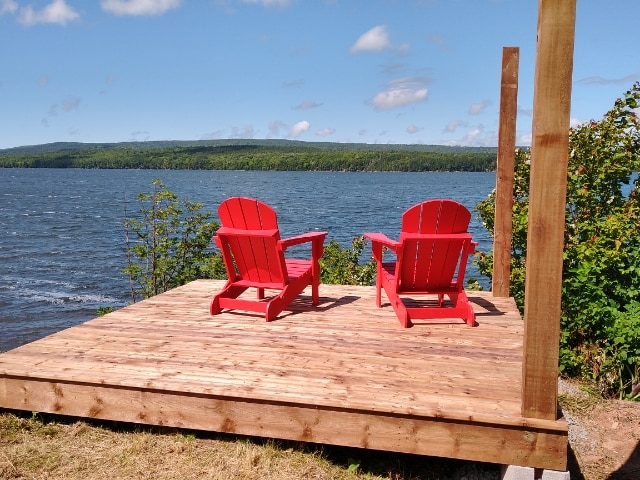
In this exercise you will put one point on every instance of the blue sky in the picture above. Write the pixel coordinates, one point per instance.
(370, 71)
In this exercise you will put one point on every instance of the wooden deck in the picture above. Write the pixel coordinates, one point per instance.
(343, 373)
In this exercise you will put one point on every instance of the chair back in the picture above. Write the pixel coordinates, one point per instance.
(435, 246)
(250, 242)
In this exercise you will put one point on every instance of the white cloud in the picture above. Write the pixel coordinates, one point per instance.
(478, 108)
(411, 129)
(215, 135)
(524, 139)
(275, 127)
(57, 12)
(453, 125)
(138, 7)
(294, 83)
(243, 132)
(270, 3)
(527, 112)
(401, 92)
(8, 6)
(574, 122)
(279, 129)
(440, 42)
(477, 136)
(597, 80)
(139, 136)
(325, 132)
(403, 48)
(375, 40)
(71, 103)
(307, 105)
(299, 128)
(472, 136)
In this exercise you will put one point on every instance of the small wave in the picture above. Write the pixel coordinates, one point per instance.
(24, 284)
(96, 298)
(63, 298)
(53, 301)
(57, 292)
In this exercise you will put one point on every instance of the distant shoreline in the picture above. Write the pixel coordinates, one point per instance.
(162, 144)
(277, 155)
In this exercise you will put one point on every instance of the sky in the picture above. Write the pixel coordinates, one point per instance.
(361, 71)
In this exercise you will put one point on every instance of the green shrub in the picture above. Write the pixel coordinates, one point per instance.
(624, 351)
(601, 259)
(171, 243)
(342, 266)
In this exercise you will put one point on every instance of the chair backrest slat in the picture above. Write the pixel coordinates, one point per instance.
(430, 263)
(257, 257)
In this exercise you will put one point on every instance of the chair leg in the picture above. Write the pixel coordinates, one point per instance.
(315, 273)
(277, 304)
(470, 318)
(461, 304)
(315, 291)
(214, 306)
(274, 308)
(229, 291)
(401, 312)
(378, 286)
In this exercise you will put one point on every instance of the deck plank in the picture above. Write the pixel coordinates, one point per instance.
(345, 362)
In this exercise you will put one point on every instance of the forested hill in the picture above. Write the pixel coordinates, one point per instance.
(245, 154)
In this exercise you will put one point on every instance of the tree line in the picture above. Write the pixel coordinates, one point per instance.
(257, 157)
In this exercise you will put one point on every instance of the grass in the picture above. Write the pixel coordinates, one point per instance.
(53, 447)
(578, 397)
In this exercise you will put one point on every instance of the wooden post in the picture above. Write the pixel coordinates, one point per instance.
(547, 200)
(503, 223)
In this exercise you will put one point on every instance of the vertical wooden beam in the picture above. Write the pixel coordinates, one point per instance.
(503, 223)
(547, 200)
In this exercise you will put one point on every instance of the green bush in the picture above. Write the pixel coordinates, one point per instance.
(601, 259)
(342, 266)
(171, 243)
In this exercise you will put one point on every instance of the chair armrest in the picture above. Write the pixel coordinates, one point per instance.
(305, 237)
(436, 236)
(317, 245)
(224, 232)
(240, 232)
(382, 239)
(380, 242)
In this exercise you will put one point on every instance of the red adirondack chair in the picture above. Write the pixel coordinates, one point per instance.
(431, 258)
(253, 255)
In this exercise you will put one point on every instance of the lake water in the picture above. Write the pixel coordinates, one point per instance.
(62, 243)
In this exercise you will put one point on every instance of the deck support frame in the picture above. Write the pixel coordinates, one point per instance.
(502, 444)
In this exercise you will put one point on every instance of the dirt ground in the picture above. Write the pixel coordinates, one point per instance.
(604, 436)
